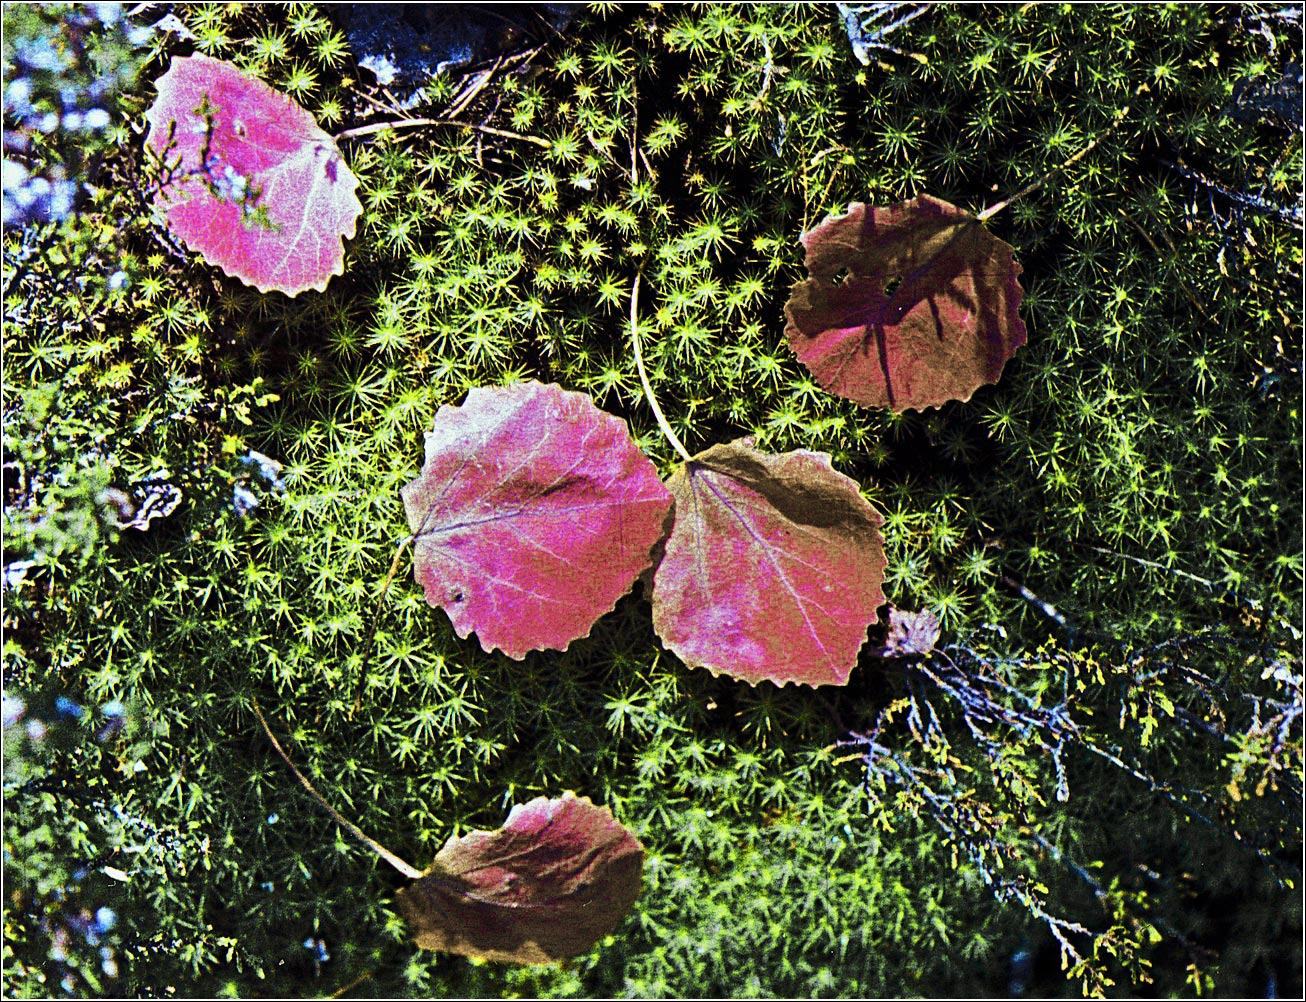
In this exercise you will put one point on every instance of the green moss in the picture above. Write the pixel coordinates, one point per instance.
(1138, 421)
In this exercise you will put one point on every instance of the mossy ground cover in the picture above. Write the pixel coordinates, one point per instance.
(1117, 523)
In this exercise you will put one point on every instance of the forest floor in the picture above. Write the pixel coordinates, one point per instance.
(1062, 751)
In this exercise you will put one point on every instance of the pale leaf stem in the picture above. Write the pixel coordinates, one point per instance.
(1033, 186)
(407, 869)
(661, 418)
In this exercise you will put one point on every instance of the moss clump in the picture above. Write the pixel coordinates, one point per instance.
(1135, 466)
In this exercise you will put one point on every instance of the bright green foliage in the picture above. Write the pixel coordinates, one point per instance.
(1138, 464)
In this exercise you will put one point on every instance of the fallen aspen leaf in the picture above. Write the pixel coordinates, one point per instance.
(250, 182)
(533, 514)
(773, 567)
(906, 306)
(554, 880)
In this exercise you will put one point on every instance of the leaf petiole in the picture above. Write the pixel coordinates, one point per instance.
(407, 869)
(661, 418)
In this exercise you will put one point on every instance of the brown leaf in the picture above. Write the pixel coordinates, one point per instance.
(557, 877)
(906, 306)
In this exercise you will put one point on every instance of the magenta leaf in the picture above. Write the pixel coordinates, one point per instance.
(909, 634)
(907, 306)
(557, 877)
(773, 567)
(533, 515)
(250, 181)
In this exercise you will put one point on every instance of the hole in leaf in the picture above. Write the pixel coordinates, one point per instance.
(891, 286)
(839, 277)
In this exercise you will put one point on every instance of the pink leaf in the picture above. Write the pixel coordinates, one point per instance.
(252, 184)
(557, 877)
(907, 306)
(772, 569)
(533, 514)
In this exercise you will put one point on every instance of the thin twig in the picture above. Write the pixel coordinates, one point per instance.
(661, 418)
(339, 993)
(390, 109)
(834, 174)
(807, 209)
(993, 210)
(767, 72)
(463, 100)
(1241, 199)
(634, 134)
(1046, 608)
(1237, 596)
(376, 617)
(407, 869)
(411, 123)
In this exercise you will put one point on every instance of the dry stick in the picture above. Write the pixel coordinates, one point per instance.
(376, 618)
(462, 101)
(661, 418)
(634, 134)
(410, 123)
(600, 150)
(1033, 186)
(802, 164)
(767, 71)
(389, 109)
(829, 184)
(407, 869)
